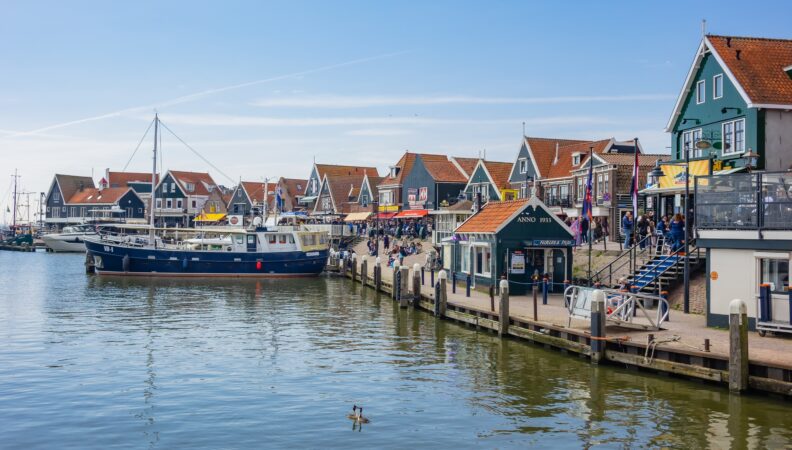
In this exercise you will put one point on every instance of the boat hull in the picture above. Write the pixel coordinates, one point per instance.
(58, 244)
(114, 259)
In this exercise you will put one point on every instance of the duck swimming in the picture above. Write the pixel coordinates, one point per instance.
(357, 415)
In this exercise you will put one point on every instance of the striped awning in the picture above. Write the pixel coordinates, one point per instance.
(355, 217)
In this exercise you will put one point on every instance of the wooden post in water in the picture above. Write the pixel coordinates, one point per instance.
(417, 282)
(598, 315)
(364, 271)
(378, 274)
(443, 297)
(503, 330)
(404, 295)
(395, 282)
(353, 266)
(738, 346)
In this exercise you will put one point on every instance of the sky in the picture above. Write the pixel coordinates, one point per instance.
(261, 89)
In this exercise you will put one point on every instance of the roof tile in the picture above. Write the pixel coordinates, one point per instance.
(491, 216)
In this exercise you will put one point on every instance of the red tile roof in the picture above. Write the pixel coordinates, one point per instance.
(500, 173)
(760, 68)
(293, 186)
(627, 159)
(442, 170)
(70, 184)
(404, 164)
(106, 196)
(491, 216)
(543, 151)
(255, 190)
(563, 167)
(122, 179)
(340, 188)
(340, 171)
(467, 164)
(199, 179)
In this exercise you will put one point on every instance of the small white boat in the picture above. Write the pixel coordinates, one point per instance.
(70, 239)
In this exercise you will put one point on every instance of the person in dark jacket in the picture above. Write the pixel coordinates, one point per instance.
(627, 228)
(642, 228)
(677, 231)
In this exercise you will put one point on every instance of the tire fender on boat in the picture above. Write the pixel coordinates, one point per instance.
(125, 263)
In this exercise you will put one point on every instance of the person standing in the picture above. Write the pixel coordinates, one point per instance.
(642, 228)
(584, 229)
(677, 231)
(386, 242)
(627, 228)
(576, 230)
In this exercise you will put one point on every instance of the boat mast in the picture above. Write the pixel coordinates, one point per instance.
(14, 213)
(154, 179)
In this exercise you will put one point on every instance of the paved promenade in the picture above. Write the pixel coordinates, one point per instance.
(690, 329)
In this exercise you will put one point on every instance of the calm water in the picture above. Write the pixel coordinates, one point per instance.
(88, 362)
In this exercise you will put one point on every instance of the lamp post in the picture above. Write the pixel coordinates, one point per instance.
(375, 207)
(751, 159)
(656, 174)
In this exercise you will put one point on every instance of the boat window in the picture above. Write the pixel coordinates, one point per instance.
(251, 239)
(282, 238)
(271, 238)
(239, 239)
(291, 239)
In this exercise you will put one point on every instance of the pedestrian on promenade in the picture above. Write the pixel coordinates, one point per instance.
(677, 231)
(642, 227)
(627, 228)
(576, 231)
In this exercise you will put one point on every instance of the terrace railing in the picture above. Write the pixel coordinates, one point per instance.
(746, 201)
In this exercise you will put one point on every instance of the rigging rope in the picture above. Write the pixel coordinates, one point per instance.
(138, 146)
(197, 154)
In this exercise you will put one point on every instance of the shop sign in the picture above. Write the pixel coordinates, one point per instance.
(517, 263)
(417, 198)
(550, 242)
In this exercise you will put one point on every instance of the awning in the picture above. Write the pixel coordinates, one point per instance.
(412, 214)
(673, 179)
(385, 216)
(358, 216)
(728, 171)
(307, 200)
(210, 217)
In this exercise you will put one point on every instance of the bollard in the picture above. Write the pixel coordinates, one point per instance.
(765, 303)
(664, 305)
(738, 346)
(404, 279)
(443, 298)
(535, 300)
(436, 300)
(417, 282)
(598, 314)
(453, 282)
(467, 285)
(423, 278)
(503, 313)
(544, 290)
(431, 277)
(353, 266)
(378, 274)
(706, 345)
(492, 298)
(364, 272)
(394, 282)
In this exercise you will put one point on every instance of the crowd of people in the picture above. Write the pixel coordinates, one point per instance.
(645, 231)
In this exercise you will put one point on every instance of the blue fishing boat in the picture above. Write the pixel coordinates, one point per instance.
(262, 251)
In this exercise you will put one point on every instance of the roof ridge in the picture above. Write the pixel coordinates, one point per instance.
(555, 139)
(755, 38)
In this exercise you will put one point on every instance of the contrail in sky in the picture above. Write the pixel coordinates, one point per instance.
(190, 97)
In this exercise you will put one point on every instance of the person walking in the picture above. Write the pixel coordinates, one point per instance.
(642, 227)
(576, 231)
(627, 228)
(677, 231)
(584, 229)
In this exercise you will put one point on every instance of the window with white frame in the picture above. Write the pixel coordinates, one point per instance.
(580, 189)
(173, 187)
(523, 163)
(776, 272)
(482, 255)
(701, 92)
(689, 140)
(169, 203)
(465, 263)
(576, 159)
(56, 196)
(733, 133)
(178, 203)
(386, 198)
(717, 86)
(159, 203)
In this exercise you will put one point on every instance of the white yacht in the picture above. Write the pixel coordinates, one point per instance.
(70, 239)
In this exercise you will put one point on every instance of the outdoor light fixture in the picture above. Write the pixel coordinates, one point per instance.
(656, 173)
(751, 159)
(684, 121)
(727, 108)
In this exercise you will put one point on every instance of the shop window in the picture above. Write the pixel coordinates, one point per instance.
(734, 137)
(482, 257)
(775, 272)
(465, 266)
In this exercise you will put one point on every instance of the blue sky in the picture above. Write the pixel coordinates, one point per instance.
(261, 88)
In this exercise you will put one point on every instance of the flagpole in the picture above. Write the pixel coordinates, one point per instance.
(589, 214)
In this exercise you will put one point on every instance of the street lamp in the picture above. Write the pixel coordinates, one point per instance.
(375, 207)
(751, 159)
(656, 174)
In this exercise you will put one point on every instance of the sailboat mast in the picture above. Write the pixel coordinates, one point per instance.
(13, 215)
(154, 177)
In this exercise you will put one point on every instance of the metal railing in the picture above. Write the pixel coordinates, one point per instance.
(622, 307)
(745, 201)
(559, 200)
(627, 258)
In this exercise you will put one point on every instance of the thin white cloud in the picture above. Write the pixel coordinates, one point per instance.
(204, 93)
(205, 120)
(348, 102)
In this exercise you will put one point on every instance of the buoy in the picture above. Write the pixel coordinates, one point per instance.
(258, 265)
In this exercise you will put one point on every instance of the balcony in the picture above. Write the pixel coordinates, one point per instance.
(559, 201)
(745, 201)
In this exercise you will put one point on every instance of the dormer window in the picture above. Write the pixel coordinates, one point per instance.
(575, 159)
(394, 171)
(190, 187)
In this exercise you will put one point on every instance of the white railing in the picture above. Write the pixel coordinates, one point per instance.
(622, 307)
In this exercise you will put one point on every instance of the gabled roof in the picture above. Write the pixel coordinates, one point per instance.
(626, 159)
(372, 183)
(70, 184)
(442, 170)
(336, 171)
(466, 165)
(94, 196)
(404, 165)
(542, 151)
(492, 216)
(563, 166)
(499, 173)
(122, 179)
(202, 181)
(255, 190)
(294, 186)
(343, 191)
(758, 74)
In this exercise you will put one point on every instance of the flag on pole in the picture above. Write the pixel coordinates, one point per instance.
(635, 184)
(279, 198)
(587, 201)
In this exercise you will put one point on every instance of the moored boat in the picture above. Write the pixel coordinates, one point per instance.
(70, 239)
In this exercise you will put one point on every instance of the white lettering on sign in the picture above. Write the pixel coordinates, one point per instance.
(530, 219)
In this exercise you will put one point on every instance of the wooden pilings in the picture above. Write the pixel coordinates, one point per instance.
(364, 272)
(353, 266)
(503, 313)
(404, 277)
(417, 282)
(598, 316)
(378, 274)
(442, 299)
(738, 346)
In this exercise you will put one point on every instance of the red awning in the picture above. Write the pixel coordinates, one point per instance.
(412, 214)
(385, 215)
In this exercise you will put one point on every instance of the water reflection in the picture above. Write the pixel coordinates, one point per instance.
(248, 363)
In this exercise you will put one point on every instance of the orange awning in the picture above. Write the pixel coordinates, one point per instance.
(412, 214)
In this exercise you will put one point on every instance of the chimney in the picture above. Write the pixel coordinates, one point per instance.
(107, 175)
(555, 158)
(81, 186)
(738, 54)
(728, 42)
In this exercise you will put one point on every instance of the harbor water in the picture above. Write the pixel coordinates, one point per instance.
(90, 362)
